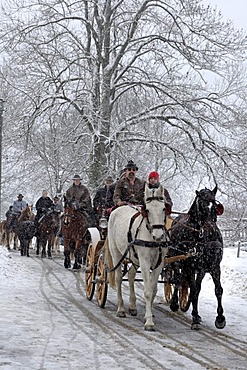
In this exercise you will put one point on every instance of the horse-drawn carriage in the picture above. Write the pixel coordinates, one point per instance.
(193, 247)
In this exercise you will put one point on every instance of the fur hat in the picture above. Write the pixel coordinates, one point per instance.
(154, 175)
(109, 179)
(76, 177)
(131, 164)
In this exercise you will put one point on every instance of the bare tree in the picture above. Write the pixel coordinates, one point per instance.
(145, 77)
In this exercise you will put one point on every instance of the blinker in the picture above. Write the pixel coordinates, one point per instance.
(219, 209)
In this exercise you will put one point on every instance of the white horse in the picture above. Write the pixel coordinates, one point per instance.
(140, 238)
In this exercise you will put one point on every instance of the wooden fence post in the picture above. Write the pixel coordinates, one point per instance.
(239, 245)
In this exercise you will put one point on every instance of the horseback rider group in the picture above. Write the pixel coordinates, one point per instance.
(129, 189)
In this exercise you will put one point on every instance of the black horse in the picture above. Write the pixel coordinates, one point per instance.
(197, 230)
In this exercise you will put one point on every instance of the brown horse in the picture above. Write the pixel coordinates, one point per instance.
(17, 229)
(74, 228)
(48, 226)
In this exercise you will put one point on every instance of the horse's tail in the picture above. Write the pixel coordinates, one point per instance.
(111, 275)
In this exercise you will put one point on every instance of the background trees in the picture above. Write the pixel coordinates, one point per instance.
(90, 84)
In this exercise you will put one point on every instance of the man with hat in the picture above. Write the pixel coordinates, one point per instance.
(129, 189)
(104, 195)
(80, 194)
(58, 207)
(154, 182)
(18, 206)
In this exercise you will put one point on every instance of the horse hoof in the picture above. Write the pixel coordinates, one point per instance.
(220, 324)
(132, 312)
(196, 326)
(174, 307)
(121, 314)
(76, 267)
(149, 328)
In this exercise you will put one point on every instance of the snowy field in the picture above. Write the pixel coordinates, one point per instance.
(47, 323)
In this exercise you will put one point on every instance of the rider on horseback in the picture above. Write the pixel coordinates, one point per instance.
(78, 195)
(129, 189)
(18, 206)
(43, 205)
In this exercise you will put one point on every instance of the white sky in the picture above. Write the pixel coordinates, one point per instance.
(232, 9)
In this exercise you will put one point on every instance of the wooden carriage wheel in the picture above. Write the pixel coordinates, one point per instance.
(184, 297)
(90, 273)
(101, 281)
(168, 291)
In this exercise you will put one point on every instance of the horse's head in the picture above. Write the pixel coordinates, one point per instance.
(155, 211)
(206, 205)
(26, 214)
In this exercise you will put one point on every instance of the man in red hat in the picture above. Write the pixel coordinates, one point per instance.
(129, 189)
(154, 182)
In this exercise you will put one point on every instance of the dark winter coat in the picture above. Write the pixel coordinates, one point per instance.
(104, 197)
(126, 192)
(79, 193)
(43, 205)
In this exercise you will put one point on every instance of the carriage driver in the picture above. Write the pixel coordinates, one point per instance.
(80, 194)
(153, 183)
(129, 189)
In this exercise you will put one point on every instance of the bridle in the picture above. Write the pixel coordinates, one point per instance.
(149, 226)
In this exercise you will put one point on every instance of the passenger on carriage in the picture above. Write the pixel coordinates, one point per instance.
(154, 182)
(104, 195)
(129, 189)
(79, 194)
(18, 206)
(43, 205)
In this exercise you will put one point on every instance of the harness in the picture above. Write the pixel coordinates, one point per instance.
(132, 242)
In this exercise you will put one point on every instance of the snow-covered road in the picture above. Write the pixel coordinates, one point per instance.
(47, 323)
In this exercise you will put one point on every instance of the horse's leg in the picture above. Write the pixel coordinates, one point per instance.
(7, 239)
(27, 246)
(220, 321)
(66, 245)
(150, 281)
(175, 276)
(78, 255)
(49, 247)
(15, 241)
(43, 245)
(132, 298)
(195, 288)
(37, 245)
(118, 279)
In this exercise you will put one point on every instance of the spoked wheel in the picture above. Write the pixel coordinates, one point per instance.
(168, 283)
(101, 281)
(168, 291)
(90, 273)
(184, 297)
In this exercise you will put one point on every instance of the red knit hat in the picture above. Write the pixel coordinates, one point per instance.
(154, 175)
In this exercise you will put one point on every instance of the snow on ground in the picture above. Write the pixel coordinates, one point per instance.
(44, 336)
